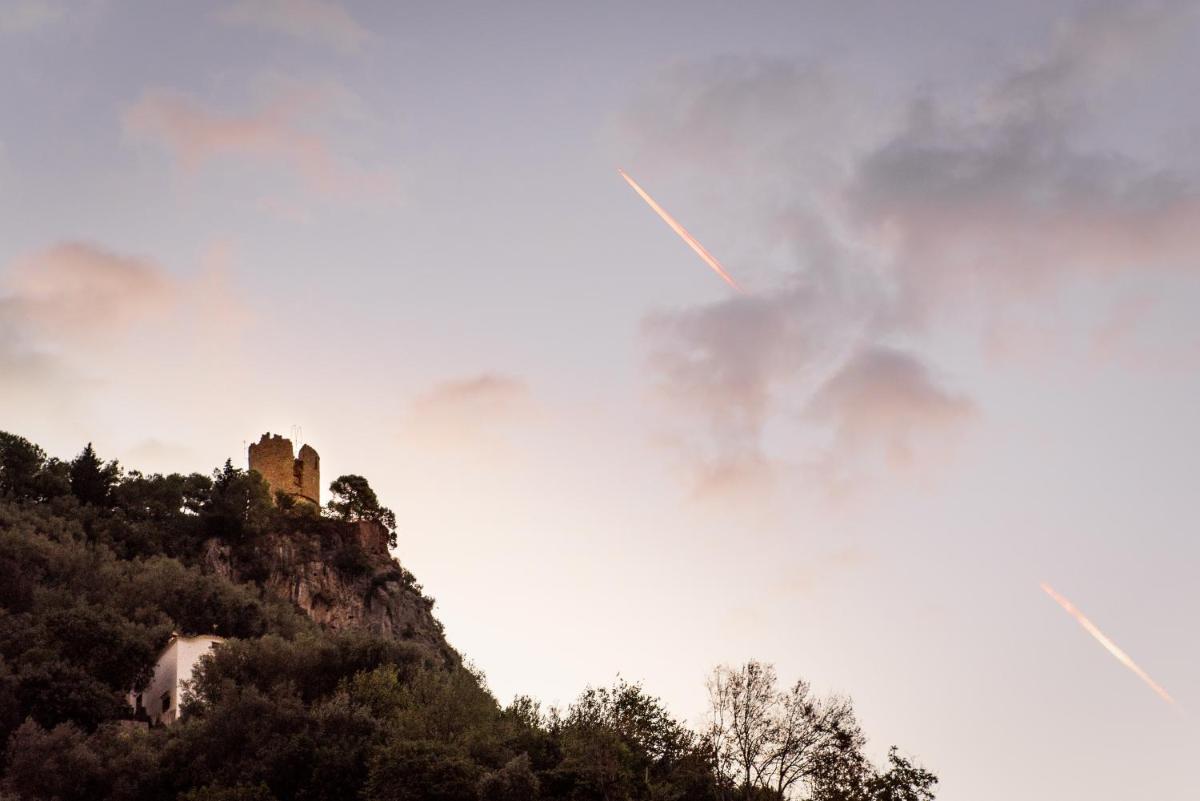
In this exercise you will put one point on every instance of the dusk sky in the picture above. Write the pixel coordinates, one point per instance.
(967, 360)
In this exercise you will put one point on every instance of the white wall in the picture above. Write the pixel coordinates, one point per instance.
(175, 666)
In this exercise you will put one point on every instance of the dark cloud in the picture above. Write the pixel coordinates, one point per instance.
(1000, 200)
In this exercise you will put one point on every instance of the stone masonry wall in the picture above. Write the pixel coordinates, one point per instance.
(300, 477)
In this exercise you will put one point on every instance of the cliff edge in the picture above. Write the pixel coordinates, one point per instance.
(341, 575)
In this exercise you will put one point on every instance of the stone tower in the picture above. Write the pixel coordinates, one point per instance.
(296, 475)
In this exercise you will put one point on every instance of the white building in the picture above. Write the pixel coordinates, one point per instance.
(159, 700)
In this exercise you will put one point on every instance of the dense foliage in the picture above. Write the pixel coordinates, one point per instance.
(353, 499)
(99, 566)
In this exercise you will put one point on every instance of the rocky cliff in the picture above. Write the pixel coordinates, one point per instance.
(342, 576)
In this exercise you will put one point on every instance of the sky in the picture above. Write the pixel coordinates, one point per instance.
(965, 362)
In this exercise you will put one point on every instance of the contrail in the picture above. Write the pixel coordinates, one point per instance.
(709, 259)
(1108, 644)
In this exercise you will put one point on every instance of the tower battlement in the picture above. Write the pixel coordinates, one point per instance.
(295, 475)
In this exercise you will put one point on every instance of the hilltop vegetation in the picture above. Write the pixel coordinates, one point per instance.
(98, 566)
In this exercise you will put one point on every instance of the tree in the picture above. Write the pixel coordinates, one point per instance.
(806, 732)
(422, 770)
(621, 742)
(741, 724)
(66, 764)
(903, 781)
(53, 480)
(20, 463)
(353, 499)
(157, 514)
(241, 792)
(513, 782)
(291, 710)
(637, 717)
(91, 479)
(841, 771)
(789, 744)
(239, 504)
(162, 499)
(597, 765)
(54, 764)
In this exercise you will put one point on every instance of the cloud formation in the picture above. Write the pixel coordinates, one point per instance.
(76, 318)
(891, 225)
(882, 399)
(82, 293)
(309, 20)
(1000, 200)
(724, 358)
(280, 134)
(725, 366)
(469, 413)
(480, 398)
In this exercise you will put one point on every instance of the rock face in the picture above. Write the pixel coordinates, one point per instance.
(343, 577)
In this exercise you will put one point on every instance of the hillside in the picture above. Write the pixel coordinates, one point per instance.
(334, 681)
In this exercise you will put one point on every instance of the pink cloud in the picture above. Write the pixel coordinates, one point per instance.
(312, 20)
(749, 474)
(883, 401)
(471, 411)
(79, 296)
(87, 333)
(77, 320)
(489, 395)
(275, 134)
(82, 292)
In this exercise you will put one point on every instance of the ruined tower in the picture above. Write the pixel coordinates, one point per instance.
(298, 476)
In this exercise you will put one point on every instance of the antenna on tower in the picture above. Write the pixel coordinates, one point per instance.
(297, 435)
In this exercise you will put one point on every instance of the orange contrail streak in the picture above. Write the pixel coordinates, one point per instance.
(1108, 644)
(709, 259)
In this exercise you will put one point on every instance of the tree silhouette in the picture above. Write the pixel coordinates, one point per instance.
(91, 479)
(790, 745)
(20, 463)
